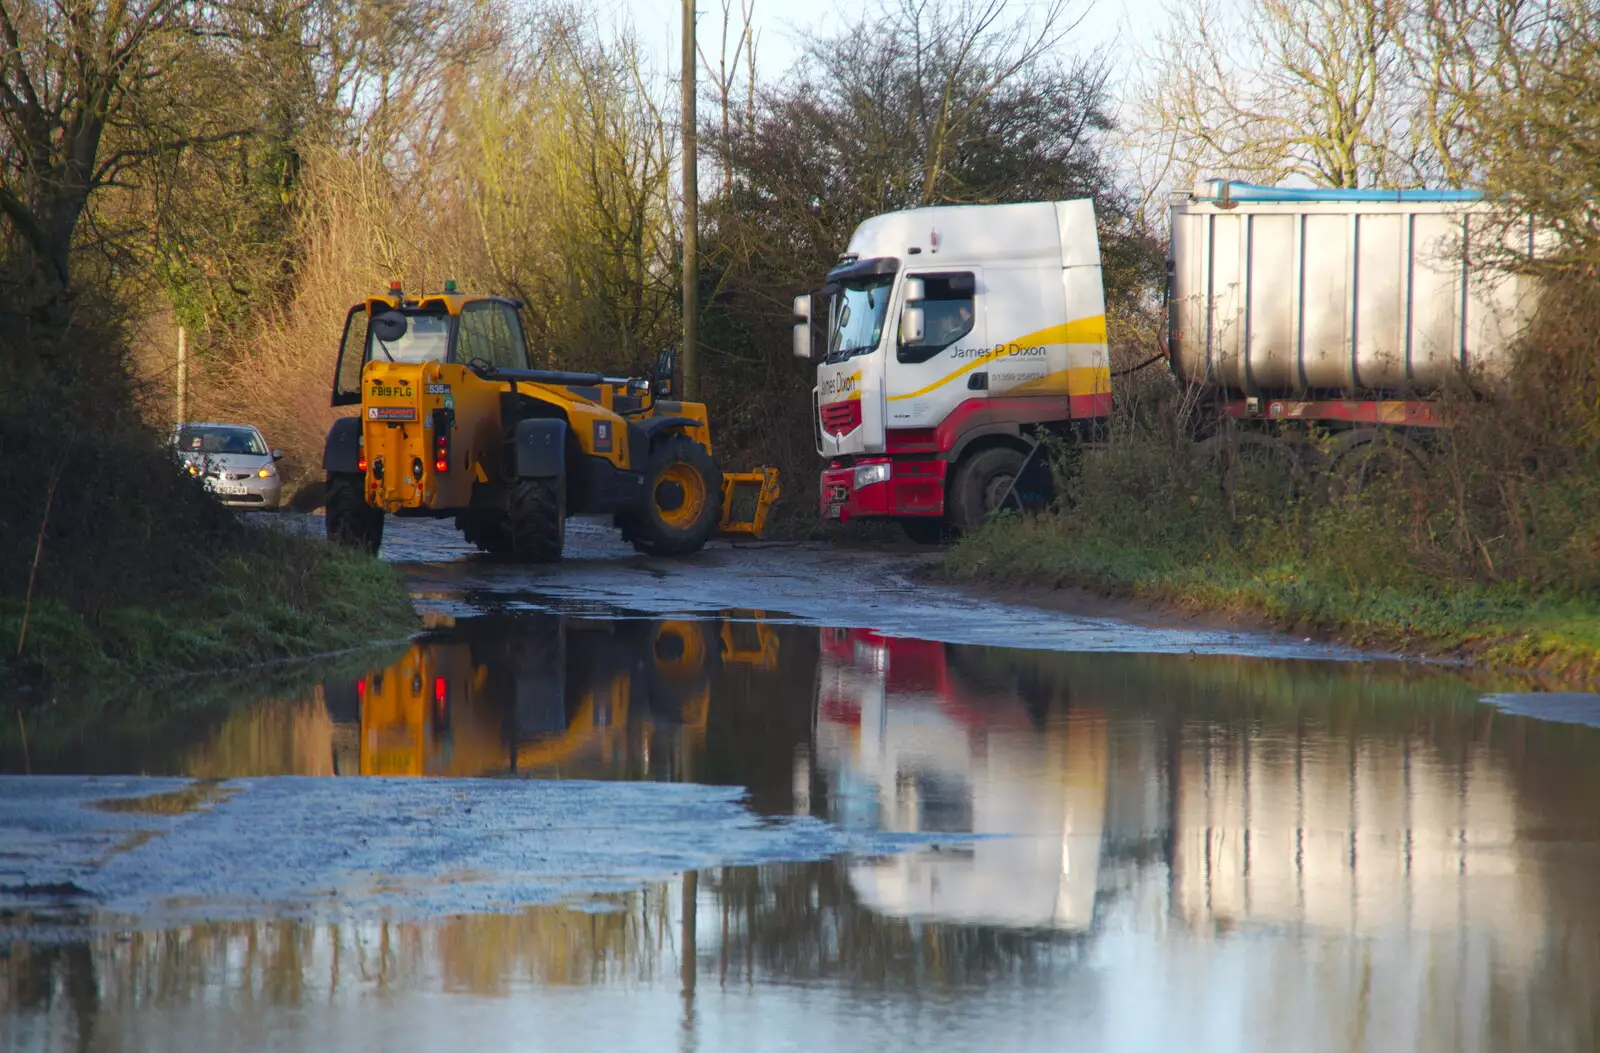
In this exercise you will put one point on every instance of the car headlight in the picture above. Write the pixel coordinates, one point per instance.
(267, 472)
(867, 474)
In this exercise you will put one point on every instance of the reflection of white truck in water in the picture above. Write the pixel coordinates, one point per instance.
(907, 744)
(954, 332)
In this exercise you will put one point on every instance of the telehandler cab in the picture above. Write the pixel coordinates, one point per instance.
(453, 422)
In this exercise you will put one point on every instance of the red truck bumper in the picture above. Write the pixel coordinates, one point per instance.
(901, 487)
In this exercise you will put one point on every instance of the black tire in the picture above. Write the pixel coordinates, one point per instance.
(981, 482)
(1368, 456)
(487, 529)
(682, 502)
(925, 530)
(681, 658)
(1252, 462)
(349, 519)
(538, 519)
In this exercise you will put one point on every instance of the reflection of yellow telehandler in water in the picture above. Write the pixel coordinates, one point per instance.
(542, 694)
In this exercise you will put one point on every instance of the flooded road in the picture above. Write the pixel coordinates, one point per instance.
(680, 817)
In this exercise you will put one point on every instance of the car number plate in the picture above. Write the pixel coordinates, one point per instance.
(231, 489)
(833, 510)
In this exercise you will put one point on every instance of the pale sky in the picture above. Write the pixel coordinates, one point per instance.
(786, 25)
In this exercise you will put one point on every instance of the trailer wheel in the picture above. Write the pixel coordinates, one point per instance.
(1251, 462)
(538, 519)
(982, 480)
(682, 503)
(349, 519)
(1367, 456)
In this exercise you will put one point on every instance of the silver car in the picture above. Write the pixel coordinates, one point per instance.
(233, 461)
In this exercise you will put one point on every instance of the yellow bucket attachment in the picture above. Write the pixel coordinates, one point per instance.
(752, 642)
(746, 498)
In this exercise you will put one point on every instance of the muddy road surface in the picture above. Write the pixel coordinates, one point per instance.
(789, 797)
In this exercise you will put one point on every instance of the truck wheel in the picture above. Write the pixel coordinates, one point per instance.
(538, 519)
(349, 519)
(682, 503)
(981, 482)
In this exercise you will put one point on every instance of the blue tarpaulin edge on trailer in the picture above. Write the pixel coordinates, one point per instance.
(1213, 190)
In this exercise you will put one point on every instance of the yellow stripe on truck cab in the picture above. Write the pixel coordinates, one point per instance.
(1083, 331)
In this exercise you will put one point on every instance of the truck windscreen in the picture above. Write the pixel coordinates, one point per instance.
(858, 311)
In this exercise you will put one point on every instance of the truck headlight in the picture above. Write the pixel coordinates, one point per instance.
(867, 474)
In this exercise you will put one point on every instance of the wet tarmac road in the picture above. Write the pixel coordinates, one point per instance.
(810, 583)
(665, 813)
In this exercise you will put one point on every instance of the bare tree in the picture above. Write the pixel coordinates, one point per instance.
(69, 74)
(736, 53)
(1281, 89)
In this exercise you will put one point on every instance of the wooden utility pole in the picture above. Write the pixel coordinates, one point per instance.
(183, 372)
(691, 214)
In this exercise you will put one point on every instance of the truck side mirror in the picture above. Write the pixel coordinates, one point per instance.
(661, 384)
(916, 292)
(911, 326)
(802, 328)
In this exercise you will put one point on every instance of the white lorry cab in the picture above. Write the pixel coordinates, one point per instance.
(944, 338)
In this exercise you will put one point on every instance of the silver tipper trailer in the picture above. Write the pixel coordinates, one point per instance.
(1341, 304)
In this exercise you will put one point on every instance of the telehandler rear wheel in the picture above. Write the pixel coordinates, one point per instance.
(488, 529)
(538, 516)
(683, 500)
(349, 519)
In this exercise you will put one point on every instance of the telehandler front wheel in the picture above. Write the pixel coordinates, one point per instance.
(349, 519)
(538, 517)
(682, 501)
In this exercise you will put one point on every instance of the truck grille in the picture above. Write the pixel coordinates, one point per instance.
(841, 417)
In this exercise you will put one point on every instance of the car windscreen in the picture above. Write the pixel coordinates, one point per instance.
(193, 438)
(426, 339)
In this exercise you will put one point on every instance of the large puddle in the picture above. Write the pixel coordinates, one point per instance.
(938, 846)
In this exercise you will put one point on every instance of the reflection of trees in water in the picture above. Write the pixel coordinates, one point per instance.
(282, 737)
(155, 728)
(802, 921)
(795, 922)
(51, 979)
(557, 945)
(290, 963)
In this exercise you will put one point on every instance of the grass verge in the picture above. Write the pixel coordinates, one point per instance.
(267, 596)
(1496, 625)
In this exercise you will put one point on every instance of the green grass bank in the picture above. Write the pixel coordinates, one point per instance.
(115, 564)
(270, 596)
(1501, 626)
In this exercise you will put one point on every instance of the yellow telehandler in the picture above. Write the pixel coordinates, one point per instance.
(455, 423)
